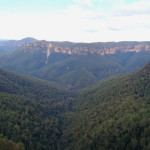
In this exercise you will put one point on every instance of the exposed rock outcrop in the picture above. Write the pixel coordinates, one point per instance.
(86, 48)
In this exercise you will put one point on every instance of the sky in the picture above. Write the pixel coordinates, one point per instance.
(75, 20)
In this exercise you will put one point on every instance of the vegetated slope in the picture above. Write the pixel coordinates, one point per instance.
(13, 83)
(114, 115)
(30, 111)
(77, 65)
(2, 52)
(62, 68)
(9, 145)
(78, 72)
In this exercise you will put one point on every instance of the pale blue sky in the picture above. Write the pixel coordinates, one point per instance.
(24, 6)
(75, 20)
(7, 5)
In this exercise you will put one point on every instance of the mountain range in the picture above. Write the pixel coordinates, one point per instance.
(7, 46)
(75, 96)
(76, 65)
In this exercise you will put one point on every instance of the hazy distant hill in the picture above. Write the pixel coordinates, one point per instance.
(77, 65)
(11, 45)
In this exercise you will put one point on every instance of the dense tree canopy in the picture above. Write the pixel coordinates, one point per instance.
(115, 114)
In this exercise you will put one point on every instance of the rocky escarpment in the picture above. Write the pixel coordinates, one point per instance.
(86, 48)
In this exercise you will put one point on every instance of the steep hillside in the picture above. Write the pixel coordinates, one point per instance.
(31, 111)
(9, 145)
(79, 72)
(13, 83)
(114, 115)
(111, 115)
(2, 51)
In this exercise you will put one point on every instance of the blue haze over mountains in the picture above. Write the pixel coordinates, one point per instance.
(73, 65)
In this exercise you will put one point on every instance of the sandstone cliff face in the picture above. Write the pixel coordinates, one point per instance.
(85, 49)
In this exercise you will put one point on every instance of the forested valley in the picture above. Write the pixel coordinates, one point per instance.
(74, 74)
(39, 115)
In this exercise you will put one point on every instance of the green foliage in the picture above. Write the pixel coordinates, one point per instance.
(9, 145)
(78, 72)
(115, 114)
(30, 111)
(30, 122)
(14, 83)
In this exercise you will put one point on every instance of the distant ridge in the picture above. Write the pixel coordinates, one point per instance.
(11, 45)
(101, 48)
(29, 39)
(76, 65)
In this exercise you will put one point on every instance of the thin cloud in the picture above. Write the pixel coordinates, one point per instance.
(136, 8)
(114, 29)
(91, 30)
(82, 21)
